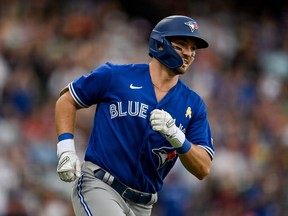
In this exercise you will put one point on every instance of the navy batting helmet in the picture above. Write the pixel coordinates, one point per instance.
(173, 26)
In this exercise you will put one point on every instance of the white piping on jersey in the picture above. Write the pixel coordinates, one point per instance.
(209, 150)
(76, 98)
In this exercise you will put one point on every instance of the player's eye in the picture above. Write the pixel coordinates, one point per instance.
(193, 48)
(180, 48)
(177, 48)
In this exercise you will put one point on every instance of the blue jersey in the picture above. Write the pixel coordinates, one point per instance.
(122, 140)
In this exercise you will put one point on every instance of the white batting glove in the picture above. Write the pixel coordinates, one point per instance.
(162, 122)
(69, 166)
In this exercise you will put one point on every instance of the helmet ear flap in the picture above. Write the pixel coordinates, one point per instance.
(161, 49)
(155, 43)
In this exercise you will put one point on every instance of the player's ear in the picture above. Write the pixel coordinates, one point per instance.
(159, 47)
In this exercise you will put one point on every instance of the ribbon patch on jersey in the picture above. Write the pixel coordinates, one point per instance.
(188, 113)
(165, 155)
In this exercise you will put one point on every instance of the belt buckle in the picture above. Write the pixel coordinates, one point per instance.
(128, 191)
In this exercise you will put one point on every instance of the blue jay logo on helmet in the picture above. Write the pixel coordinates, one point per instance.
(192, 25)
(173, 26)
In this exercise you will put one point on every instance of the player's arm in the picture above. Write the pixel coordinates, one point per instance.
(68, 167)
(197, 161)
(194, 158)
(65, 113)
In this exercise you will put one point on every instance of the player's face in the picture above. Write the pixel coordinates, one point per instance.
(185, 47)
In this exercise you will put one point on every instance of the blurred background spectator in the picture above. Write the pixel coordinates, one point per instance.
(243, 77)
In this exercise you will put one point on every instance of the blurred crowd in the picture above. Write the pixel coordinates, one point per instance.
(242, 76)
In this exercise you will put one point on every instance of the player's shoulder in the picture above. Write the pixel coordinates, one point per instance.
(130, 66)
(188, 91)
(119, 69)
(192, 98)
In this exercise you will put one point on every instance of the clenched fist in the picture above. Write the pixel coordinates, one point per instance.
(69, 167)
(163, 122)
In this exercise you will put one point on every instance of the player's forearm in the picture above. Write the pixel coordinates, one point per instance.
(65, 114)
(197, 161)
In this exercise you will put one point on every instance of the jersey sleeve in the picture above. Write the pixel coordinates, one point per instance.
(90, 88)
(199, 132)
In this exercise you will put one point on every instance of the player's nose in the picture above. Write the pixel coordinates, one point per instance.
(188, 52)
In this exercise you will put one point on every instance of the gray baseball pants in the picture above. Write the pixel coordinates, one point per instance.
(93, 197)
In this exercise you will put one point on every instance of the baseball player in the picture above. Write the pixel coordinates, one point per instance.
(145, 118)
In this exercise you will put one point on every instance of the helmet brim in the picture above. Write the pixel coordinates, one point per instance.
(199, 42)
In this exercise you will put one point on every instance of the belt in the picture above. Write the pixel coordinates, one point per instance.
(126, 192)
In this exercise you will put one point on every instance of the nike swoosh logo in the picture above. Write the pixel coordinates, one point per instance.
(135, 87)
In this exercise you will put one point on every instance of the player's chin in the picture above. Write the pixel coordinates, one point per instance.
(183, 68)
(179, 71)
